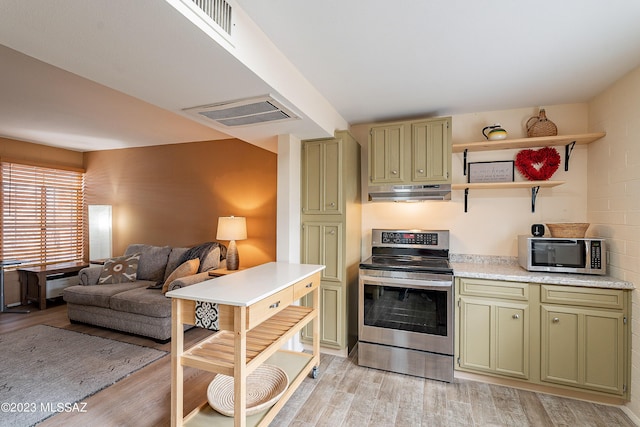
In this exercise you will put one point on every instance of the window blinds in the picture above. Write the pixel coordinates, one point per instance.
(42, 214)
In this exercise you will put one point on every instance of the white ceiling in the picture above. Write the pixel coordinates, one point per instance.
(104, 74)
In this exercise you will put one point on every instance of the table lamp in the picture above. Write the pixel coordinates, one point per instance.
(232, 228)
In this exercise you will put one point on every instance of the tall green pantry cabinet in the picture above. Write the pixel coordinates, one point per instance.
(331, 229)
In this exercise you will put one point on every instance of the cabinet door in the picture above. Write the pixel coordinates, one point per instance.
(512, 340)
(322, 244)
(332, 322)
(322, 177)
(494, 336)
(430, 152)
(583, 347)
(386, 154)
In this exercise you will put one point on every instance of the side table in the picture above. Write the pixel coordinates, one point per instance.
(219, 272)
(3, 307)
(33, 280)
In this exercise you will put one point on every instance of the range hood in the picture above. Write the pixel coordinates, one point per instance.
(409, 193)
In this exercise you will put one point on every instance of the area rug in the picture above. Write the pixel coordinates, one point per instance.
(46, 370)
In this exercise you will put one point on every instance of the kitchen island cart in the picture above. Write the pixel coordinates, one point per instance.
(254, 313)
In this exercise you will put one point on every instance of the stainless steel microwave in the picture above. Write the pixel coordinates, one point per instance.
(562, 255)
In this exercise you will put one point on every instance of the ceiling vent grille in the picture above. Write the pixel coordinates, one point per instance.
(218, 10)
(245, 112)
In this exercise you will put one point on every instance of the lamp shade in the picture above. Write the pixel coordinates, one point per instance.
(232, 228)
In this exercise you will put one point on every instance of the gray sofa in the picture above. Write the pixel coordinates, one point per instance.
(138, 307)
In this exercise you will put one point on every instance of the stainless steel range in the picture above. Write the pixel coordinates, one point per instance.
(405, 304)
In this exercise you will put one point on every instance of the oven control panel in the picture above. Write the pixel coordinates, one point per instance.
(410, 238)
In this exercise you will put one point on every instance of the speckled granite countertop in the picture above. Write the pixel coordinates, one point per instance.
(507, 268)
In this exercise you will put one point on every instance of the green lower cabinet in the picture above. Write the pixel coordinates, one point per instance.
(494, 337)
(553, 335)
(332, 321)
(583, 348)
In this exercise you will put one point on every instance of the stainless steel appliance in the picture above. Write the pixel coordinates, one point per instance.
(405, 304)
(562, 255)
(409, 193)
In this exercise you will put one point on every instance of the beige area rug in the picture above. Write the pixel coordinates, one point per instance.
(46, 370)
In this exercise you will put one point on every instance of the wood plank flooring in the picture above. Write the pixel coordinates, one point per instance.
(344, 394)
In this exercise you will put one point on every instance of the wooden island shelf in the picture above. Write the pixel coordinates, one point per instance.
(256, 316)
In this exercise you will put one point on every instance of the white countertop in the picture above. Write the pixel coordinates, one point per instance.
(247, 286)
(515, 273)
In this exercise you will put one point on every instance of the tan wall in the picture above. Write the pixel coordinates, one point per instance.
(39, 154)
(174, 194)
(613, 205)
(35, 153)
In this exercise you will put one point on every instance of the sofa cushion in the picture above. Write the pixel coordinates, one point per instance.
(187, 268)
(174, 260)
(148, 302)
(153, 261)
(98, 295)
(119, 270)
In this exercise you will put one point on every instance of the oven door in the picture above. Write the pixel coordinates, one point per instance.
(407, 313)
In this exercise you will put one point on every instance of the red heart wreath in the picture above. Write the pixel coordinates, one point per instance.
(538, 165)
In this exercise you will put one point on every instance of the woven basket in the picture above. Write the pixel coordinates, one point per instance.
(265, 386)
(541, 126)
(568, 229)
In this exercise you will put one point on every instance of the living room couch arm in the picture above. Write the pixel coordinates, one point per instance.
(189, 280)
(90, 275)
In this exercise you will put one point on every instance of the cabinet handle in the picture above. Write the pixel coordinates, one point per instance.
(275, 304)
(556, 320)
(332, 204)
(394, 172)
(332, 232)
(516, 316)
(309, 285)
(420, 170)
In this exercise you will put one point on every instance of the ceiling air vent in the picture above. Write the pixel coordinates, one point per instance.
(245, 112)
(218, 10)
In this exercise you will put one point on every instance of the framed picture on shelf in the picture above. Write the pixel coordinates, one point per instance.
(499, 171)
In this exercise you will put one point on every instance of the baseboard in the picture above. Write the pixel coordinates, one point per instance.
(631, 415)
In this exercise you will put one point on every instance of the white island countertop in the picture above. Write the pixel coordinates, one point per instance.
(248, 286)
(515, 273)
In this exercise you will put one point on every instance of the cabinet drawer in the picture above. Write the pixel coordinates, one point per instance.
(305, 286)
(264, 309)
(587, 297)
(494, 289)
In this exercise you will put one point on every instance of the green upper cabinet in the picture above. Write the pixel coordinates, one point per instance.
(422, 146)
(322, 177)
(431, 151)
(386, 154)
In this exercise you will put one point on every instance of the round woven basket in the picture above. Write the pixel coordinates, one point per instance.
(541, 126)
(265, 385)
(568, 229)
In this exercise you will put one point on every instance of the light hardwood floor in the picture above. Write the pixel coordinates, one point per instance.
(344, 394)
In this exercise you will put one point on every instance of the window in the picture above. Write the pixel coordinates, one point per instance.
(42, 214)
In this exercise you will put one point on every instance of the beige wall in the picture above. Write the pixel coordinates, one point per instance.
(614, 194)
(495, 217)
(174, 194)
(34, 154)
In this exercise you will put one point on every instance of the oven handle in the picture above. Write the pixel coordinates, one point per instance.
(411, 282)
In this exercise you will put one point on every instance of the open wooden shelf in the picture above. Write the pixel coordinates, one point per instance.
(502, 185)
(569, 142)
(543, 141)
(216, 353)
(534, 185)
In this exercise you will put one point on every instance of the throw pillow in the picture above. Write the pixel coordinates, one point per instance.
(120, 270)
(187, 268)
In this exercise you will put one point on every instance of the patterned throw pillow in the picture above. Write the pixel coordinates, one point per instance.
(187, 268)
(120, 270)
